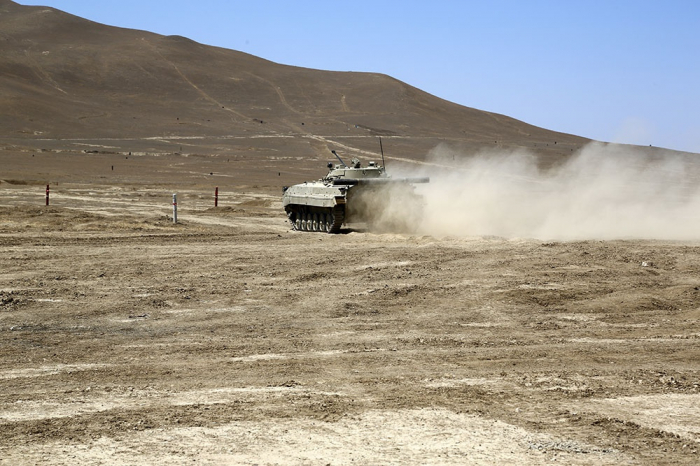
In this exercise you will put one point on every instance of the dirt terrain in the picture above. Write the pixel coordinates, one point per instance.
(230, 339)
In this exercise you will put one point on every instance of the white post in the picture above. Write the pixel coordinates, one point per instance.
(174, 208)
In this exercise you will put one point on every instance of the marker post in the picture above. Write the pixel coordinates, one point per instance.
(174, 208)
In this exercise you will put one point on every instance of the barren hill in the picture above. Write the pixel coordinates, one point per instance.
(64, 77)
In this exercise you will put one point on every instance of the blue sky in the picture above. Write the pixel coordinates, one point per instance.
(616, 70)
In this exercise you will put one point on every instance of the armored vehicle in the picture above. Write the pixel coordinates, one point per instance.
(347, 194)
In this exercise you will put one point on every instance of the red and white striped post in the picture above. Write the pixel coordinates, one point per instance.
(216, 197)
(47, 194)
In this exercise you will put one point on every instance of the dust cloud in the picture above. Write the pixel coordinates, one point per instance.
(602, 192)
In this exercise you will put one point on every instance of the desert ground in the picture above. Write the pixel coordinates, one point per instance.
(228, 338)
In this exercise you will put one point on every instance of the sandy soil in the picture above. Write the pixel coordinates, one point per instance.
(229, 339)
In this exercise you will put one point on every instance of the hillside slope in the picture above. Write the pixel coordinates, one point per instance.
(64, 77)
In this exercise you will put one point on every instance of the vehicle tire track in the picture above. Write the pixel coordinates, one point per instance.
(197, 88)
(279, 92)
(42, 73)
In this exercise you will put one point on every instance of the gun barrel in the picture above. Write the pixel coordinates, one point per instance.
(338, 157)
(377, 181)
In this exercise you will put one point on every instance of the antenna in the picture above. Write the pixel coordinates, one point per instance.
(341, 160)
(382, 150)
